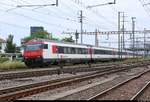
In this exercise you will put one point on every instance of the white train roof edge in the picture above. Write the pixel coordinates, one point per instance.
(62, 42)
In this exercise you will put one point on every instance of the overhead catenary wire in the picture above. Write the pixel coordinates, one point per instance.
(97, 14)
(62, 14)
(22, 15)
(35, 19)
(66, 18)
(62, 17)
(97, 23)
(147, 10)
(14, 25)
(88, 23)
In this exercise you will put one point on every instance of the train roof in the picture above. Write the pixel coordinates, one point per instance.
(62, 42)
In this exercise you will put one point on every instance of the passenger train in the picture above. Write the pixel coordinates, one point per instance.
(45, 52)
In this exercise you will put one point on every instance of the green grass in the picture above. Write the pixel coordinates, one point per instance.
(3, 59)
(12, 65)
(8, 65)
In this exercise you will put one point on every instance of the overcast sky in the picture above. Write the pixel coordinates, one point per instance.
(17, 21)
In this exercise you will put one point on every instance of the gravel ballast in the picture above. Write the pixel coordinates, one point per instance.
(128, 90)
(120, 77)
(146, 95)
(4, 84)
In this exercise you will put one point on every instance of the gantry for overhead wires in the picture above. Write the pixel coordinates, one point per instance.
(31, 17)
(51, 13)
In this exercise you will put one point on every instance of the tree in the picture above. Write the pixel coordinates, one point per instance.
(46, 35)
(39, 34)
(10, 47)
(42, 35)
(18, 50)
(68, 39)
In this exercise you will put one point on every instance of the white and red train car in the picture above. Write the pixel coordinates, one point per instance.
(42, 52)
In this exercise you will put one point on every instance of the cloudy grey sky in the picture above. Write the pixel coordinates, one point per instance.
(17, 21)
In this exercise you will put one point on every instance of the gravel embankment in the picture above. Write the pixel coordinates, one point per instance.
(128, 90)
(120, 76)
(25, 81)
(146, 95)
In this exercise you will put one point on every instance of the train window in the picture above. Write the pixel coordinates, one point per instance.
(82, 51)
(65, 50)
(76, 50)
(73, 51)
(103, 52)
(45, 46)
(79, 51)
(86, 51)
(107, 52)
(69, 50)
(94, 51)
(60, 49)
(125, 53)
(98, 52)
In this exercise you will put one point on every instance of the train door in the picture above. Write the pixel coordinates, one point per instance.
(91, 54)
(46, 51)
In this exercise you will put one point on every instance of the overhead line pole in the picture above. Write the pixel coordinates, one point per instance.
(121, 45)
(133, 29)
(123, 28)
(81, 21)
(96, 32)
(119, 34)
(144, 42)
(96, 38)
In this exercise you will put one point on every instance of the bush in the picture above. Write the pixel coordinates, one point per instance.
(12, 65)
(3, 59)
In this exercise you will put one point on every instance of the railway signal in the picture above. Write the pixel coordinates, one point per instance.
(76, 36)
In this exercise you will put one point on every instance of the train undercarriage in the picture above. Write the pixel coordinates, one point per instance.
(34, 62)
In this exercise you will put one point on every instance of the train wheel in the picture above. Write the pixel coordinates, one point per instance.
(29, 64)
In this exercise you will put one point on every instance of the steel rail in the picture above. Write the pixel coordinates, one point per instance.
(46, 82)
(42, 88)
(13, 89)
(135, 97)
(116, 86)
(42, 72)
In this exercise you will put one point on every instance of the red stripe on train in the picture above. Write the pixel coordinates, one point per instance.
(33, 54)
(54, 49)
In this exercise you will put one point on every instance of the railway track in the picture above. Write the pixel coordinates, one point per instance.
(27, 90)
(43, 72)
(143, 94)
(127, 90)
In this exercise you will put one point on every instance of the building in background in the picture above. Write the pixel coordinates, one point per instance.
(34, 29)
(2, 45)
